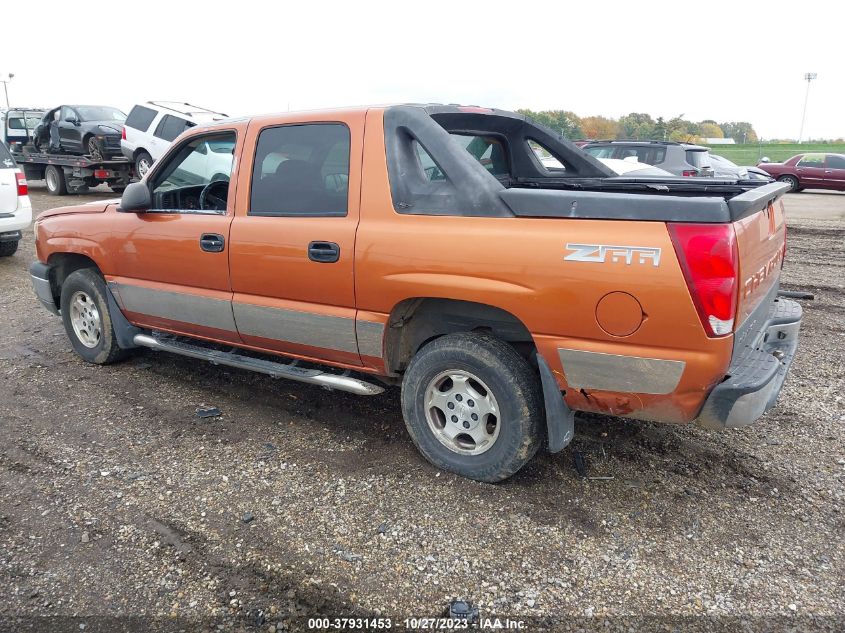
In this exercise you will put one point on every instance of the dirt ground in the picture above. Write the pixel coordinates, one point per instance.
(119, 507)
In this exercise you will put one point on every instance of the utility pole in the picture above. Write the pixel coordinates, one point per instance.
(6, 88)
(808, 77)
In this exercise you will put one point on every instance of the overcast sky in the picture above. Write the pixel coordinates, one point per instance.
(728, 61)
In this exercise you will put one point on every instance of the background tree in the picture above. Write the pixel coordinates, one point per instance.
(661, 131)
(739, 131)
(565, 123)
(636, 125)
(709, 129)
(599, 127)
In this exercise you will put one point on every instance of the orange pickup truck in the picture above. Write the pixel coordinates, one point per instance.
(432, 247)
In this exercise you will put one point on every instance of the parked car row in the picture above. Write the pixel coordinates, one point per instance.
(104, 132)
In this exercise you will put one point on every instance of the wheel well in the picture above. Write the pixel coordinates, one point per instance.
(62, 265)
(138, 151)
(415, 322)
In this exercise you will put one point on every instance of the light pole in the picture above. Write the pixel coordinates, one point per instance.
(6, 87)
(808, 77)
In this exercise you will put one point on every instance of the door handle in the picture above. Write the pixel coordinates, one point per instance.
(323, 252)
(212, 242)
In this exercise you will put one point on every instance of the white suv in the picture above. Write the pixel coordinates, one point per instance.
(15, 207)
(151, 127)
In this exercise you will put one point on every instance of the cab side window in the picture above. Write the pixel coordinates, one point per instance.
(301, 170)
(196, 177)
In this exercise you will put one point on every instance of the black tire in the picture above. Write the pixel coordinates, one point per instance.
(142, 159)
(7, 249)
(511, 381)
(93, 147)
(117, 188)
(792, 181)
(89, 283)
(55, 179)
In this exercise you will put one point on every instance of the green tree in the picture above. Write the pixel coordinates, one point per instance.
(709, 129)
(636, 125)
(739, 131)
(565, 123)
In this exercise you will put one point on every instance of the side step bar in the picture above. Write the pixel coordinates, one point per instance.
(271, 368)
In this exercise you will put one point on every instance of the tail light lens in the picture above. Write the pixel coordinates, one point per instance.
(123, 133)
(23, 188)
(709, 258)
(689, 173)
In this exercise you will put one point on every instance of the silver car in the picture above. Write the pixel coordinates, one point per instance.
(680, 159)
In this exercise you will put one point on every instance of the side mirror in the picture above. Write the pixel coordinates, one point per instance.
(765, 159)
(136, 199)
(70, 119)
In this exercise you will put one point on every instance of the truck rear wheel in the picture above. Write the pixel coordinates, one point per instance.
(473, 406)
(55, 178)
(85, 314)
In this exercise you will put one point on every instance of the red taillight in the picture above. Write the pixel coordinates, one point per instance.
(689, 173)
(123, 133)
(23, 188)
(710, 261)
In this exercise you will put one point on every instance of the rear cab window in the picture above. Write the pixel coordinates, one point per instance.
(140, 118)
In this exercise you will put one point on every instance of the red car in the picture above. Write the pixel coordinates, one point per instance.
(810, 171)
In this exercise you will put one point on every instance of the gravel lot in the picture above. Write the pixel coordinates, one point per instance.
(116, 501)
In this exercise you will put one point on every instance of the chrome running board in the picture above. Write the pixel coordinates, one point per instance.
(269, 367)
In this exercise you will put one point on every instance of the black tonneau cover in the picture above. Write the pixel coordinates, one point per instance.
(662, 207)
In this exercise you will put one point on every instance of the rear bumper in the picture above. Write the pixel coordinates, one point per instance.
(758, 369)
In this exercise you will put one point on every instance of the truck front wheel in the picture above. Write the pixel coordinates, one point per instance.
(473, 406)
(85, 314)
(55, 178)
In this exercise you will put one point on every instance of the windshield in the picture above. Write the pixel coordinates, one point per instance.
(100, 113)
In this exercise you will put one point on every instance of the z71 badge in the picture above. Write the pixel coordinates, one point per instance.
(600, 253)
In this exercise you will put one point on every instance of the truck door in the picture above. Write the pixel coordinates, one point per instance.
(171, 267)
(293, 236)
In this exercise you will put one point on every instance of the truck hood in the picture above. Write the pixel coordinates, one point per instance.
(98, 206)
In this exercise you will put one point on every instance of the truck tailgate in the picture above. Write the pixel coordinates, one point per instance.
(760, 239)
